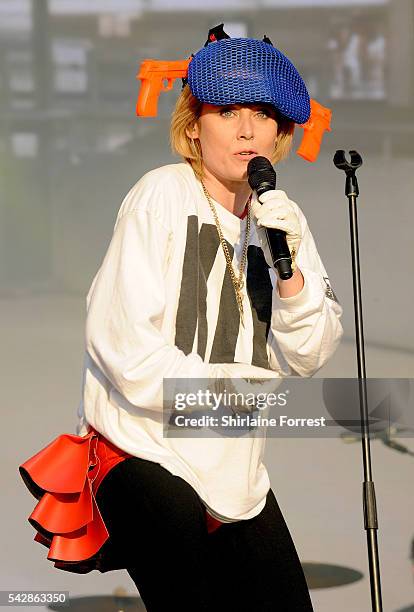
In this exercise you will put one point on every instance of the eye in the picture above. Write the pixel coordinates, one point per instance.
(265, 112)
(226, 112)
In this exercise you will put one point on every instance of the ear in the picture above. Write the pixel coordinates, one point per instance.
(193, 132)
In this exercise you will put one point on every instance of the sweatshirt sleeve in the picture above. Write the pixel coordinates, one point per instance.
(126, 300)
(306, 326)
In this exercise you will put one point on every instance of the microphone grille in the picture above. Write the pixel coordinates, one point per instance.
(259, 171)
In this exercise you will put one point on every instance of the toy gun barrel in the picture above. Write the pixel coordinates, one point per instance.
(318, 122)
(153, 74)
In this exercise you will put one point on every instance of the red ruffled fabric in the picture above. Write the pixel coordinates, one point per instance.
(65, 477)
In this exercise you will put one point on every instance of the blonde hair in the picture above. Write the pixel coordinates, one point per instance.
(186, 113)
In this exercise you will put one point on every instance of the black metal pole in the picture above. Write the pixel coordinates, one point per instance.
(368, 491)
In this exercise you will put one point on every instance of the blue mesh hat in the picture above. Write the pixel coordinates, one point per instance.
(240, 70)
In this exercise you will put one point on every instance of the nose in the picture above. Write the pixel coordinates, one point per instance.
(245, 126)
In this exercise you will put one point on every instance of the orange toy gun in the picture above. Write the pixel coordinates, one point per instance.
(153, 74)
(318, 122)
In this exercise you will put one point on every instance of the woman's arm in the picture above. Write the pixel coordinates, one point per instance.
(305, 318)
(126, 305)
(292, 286)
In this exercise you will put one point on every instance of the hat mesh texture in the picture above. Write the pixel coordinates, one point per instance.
(245, 70)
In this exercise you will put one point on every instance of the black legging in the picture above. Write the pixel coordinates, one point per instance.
(157, 525)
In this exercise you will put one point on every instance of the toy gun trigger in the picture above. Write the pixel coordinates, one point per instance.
(313, 130)
(169, 84)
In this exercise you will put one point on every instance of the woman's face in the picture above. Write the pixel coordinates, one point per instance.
(231, 135)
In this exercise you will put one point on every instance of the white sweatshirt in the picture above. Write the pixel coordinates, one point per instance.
(162, 305)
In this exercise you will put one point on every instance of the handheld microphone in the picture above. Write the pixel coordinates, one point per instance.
(262, 177)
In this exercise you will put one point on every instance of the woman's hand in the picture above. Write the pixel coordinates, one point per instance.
(244, 379)
(277, 212)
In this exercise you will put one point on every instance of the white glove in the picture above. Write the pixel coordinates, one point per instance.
(276, 211)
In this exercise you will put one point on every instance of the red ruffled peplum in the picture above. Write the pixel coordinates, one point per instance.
(65, 477)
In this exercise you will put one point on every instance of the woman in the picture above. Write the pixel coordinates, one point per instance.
(187, 290)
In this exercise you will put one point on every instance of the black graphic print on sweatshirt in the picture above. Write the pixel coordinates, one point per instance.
(200, 253)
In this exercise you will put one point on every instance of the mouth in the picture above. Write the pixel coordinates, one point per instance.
(245, 155)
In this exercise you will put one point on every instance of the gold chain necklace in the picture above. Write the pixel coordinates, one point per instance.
(238, 283)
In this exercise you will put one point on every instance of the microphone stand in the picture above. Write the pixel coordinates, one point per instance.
(369, 503)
